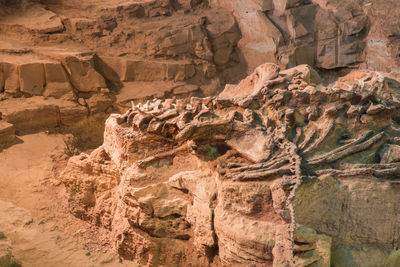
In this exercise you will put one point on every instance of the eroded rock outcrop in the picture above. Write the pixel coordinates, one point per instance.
(278, 170)
(95, 57)
(326, 34)
(104, 54)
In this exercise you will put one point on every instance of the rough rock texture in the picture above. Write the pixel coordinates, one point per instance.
(137, 50)
(104, 54)
(326, 34)
(283, 168)
(278, 170)
(114, 44)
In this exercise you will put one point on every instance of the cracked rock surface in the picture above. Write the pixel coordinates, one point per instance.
(275, 171)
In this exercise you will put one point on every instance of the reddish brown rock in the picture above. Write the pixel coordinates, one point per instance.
(57, 81)
(248, 178)
(7, 133)
(32, 78)
(11, 80)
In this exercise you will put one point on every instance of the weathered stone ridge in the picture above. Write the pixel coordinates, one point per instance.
(71, 60)
(252, 176)
(200, 165)
(325, 34)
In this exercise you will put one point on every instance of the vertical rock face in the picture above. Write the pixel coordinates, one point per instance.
(326, 34)
(278, 170)
(101, 53)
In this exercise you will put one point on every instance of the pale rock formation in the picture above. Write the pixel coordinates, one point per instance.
(144, 49)
(282, 169)
(275, 171)
(325, 34)
(36, 114)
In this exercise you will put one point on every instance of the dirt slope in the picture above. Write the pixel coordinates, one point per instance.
(32, 216)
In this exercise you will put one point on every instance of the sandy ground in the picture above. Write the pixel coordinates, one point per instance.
(33, 214)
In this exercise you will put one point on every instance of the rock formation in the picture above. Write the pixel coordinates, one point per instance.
(100, 55)
(200, 165)
(74, 58)
(272, 171)
(325, 34)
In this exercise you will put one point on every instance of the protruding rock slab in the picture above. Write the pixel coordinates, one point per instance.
(82, 73)
(279, 164)
(35, 18)
(7, 133)
(36, 113)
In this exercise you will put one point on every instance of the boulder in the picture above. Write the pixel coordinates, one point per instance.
(82, 73)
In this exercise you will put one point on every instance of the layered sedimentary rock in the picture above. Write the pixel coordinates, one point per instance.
(325, 34)
(278, 170)
(320, 33)
(281, 169)
(127, 47)
(79, 58)
(103, 54)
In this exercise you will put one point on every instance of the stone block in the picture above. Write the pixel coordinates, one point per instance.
(32, 79)
(145, 71)
(11, 78)
(57, 82)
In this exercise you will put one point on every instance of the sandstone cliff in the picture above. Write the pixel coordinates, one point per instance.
(278, 170)
(296, 164)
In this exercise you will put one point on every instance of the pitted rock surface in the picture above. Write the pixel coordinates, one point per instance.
(265, 174)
